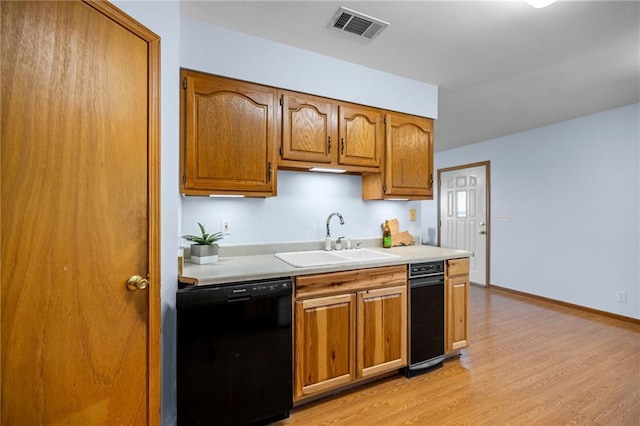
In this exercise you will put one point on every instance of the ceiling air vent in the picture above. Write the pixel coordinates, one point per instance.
(357, 23)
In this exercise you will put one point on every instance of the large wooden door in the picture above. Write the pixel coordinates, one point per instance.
(79, 188)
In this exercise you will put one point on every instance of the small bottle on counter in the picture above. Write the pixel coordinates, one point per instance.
(386, 235)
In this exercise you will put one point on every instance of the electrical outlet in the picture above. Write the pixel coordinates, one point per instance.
(226, 226)
(412, 215)
(621, 296)
(412, 229)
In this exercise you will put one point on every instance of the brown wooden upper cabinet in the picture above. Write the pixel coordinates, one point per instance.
(309, 132)
(322, 132)
(361, 136)
(228, 136)
(230, 132)
(408, 166)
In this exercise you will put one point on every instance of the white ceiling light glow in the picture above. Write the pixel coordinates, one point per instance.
(538, 4)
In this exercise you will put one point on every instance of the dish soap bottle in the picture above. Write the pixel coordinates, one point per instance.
(386, 235)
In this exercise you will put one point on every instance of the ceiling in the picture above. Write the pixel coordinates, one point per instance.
(502, 67)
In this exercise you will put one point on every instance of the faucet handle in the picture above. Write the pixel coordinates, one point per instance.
(358, 245)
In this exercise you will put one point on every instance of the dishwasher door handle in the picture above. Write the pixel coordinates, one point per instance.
(242, 298)
(425, 282)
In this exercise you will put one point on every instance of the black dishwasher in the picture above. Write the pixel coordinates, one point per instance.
(426, 322)
(234, 353)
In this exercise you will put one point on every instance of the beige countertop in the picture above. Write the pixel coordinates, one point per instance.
(230, 269)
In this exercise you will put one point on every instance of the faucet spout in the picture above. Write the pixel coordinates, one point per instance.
(329, 219)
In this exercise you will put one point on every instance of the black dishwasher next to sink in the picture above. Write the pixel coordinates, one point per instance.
(426, 323)
(234, 353)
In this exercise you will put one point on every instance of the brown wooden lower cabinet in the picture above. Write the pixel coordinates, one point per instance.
(382, 330)
(348, 326)
(457, 304)
(324, 330)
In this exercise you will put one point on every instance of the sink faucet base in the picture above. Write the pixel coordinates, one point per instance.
(327, 244)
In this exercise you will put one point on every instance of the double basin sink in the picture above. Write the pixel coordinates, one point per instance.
(305, 259)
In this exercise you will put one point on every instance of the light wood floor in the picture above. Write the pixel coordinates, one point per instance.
(529, 363)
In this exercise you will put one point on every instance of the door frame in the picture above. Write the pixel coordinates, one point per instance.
(487, 166)
(153, 202)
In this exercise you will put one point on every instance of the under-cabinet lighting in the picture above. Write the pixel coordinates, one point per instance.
(226, 196)
(538, 4)
(397, 199)
(325, 170)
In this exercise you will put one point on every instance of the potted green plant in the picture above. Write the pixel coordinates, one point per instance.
(204, 248)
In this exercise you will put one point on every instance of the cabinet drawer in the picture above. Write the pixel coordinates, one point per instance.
(457, 266)
(350, 281)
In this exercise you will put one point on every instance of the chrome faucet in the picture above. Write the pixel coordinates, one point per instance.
(329, 219)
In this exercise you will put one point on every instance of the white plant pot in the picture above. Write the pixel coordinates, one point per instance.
(202, 254)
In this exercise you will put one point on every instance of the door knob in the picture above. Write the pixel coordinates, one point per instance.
(136, 282)
(482, 232)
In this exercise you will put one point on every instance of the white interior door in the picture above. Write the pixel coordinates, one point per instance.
(463, 216)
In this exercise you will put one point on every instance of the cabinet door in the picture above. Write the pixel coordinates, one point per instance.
(307, 128)
(361, 136)
(382, 330)
(324, 344)
(457, 306)
(228, 136)
(409, 156)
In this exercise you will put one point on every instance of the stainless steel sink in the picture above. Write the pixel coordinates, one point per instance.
(304, 259)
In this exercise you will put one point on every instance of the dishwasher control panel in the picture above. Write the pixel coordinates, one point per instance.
(193, 296)
(426, 269)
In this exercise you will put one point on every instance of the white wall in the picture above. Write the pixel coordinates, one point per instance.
(162, 17)
(572, 192)
(217, 50)
(298, 213)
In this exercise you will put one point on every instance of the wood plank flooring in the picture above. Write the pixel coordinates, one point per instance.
(530, 362)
